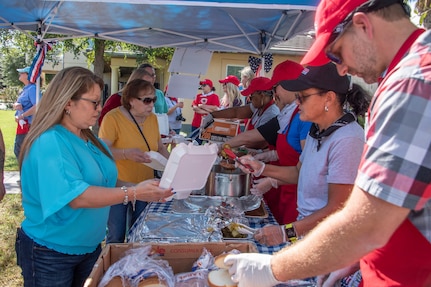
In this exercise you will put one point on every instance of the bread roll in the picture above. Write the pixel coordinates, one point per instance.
(219, 261)
(220, 278)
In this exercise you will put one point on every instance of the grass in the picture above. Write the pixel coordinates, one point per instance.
(11, 213)
(8, 127)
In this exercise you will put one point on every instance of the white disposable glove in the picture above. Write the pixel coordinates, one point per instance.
(251, 270)
(267, 156)
(207, 121)
(256, 165)
(271, 235)
(263, 185)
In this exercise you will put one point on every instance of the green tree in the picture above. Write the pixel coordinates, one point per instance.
(423, 8)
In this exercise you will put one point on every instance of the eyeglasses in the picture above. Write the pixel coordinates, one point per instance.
(148, 101)
(95, 103)
(301, 99)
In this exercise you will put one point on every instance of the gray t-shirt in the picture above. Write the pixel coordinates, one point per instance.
(336, 162)
(268, 114)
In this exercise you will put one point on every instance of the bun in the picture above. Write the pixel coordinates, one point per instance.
(219, 261)
(220, 278)
(152, 282)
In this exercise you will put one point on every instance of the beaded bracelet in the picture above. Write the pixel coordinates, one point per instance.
(126, 195)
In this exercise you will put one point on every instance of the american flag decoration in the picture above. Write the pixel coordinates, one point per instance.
(39, 58)
(255, 63)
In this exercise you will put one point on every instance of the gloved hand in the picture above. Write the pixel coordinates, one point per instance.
(206, 121)
(251, 270)
(334, 278)
(262, 185)
(271, 235)
(267, 156)
(257, 166)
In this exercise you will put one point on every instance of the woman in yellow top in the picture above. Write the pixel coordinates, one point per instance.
(130, 131)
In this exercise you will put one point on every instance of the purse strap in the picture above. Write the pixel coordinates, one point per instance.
(139, 128)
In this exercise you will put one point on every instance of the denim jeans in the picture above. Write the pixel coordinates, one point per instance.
(19, 139)
(44, 267)
(121, 218)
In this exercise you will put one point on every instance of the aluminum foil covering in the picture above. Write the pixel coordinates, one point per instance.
(170, 227)
(201, 203)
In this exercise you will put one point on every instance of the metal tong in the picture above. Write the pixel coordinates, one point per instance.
(233, 156)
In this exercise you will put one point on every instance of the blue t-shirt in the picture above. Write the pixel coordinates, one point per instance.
(58, 168)
(27, 98)
(298, 131)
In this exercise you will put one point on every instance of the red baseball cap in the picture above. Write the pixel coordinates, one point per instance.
(206, 82)
(257, 84)
(329, 14)
(230, 79)
(286, 70)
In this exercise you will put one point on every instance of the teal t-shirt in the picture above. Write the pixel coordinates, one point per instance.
(58, 168)
(160, 106)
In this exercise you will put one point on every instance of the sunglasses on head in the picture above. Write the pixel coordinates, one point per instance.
(148, 101)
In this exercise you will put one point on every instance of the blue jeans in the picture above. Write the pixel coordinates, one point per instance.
(19, 139)
(44, 267)
(121, 218)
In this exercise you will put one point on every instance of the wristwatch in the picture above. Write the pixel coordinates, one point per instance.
(290, 232)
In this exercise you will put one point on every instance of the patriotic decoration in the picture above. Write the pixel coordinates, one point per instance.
(39, 58)
(256, 63)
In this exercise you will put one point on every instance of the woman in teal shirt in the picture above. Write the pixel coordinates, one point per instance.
(69, 180)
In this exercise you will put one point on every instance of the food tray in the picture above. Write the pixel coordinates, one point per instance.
(259, 212)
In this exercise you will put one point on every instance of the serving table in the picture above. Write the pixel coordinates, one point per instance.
(254, 222)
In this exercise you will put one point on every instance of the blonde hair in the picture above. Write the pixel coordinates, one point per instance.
(68, 85)
(137, 74)
(247, 73)
(232, 93)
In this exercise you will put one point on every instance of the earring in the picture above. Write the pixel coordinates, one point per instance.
(326, 109)
(67, 112)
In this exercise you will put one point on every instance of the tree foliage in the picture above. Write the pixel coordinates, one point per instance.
(423, 8)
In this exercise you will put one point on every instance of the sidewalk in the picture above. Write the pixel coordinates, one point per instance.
(10, 182)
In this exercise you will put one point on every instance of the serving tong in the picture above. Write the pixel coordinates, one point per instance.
(244, 229)
(233, 156)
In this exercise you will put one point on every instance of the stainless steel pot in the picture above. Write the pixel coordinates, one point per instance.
(224, 182)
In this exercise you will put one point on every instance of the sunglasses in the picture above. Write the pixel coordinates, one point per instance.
(148, 101)
(301, 99)
(95, 103)
(369, 6)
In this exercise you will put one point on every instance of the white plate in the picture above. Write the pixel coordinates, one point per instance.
(158, 161)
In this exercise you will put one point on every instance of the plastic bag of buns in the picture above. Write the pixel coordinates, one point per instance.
(138, 269)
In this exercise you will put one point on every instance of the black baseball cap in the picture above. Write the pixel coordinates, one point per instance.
(324, 77)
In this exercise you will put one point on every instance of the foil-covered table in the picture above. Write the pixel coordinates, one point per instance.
(167, 210)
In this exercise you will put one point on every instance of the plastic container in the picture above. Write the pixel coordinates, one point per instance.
(188, 168)
(158, 161)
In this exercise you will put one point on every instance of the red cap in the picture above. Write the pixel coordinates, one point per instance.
(230, 79)
(286, 70)
(257, 84)
(329, 14)
(206, 82)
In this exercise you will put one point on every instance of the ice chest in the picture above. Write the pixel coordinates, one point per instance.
(179, 255)
(221, 130)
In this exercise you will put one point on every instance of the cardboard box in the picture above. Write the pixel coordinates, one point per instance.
(221, 130)
(180, 256)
